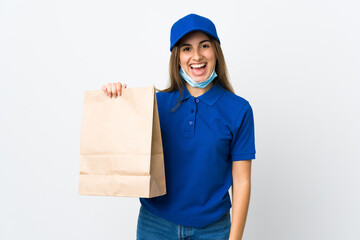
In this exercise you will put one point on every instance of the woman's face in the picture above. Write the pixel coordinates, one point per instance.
(197, 56)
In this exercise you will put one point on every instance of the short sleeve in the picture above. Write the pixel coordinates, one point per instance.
(243, 141)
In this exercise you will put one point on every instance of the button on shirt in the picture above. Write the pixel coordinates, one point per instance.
(201, 138)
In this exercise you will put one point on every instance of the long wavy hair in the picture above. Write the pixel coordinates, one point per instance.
(176, 81)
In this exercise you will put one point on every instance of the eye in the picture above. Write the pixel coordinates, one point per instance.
(186, 49)
(205, 45)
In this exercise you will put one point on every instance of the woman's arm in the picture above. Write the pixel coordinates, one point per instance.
(241, 173)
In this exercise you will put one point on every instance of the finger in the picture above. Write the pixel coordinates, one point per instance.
(109, 90)
(113, 90)
(118, 88)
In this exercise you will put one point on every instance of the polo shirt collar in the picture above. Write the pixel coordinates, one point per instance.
(210, 97)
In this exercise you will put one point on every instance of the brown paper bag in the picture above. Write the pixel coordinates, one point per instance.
(121, 150)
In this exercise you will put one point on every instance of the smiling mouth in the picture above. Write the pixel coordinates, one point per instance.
(198, 69)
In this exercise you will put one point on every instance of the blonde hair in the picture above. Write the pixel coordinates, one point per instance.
(176, 81)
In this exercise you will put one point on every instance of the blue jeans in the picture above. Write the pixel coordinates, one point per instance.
(151, 227)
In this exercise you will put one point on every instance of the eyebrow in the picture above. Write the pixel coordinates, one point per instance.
(187, 44)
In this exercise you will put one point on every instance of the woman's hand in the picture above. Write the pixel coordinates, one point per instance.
(113, 89)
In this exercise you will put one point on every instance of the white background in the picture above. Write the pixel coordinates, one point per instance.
(296, 61)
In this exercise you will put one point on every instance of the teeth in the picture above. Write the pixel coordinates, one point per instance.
(198, 65)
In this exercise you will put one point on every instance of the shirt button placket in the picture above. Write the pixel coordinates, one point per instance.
(190, 122)
(193, 114)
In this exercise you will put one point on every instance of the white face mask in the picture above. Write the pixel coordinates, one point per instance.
(193, 83)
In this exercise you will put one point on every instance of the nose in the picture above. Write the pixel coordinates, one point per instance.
(197, 55)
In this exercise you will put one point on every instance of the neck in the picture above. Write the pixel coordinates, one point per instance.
(196, 92)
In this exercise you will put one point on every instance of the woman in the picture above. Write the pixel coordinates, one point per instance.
(208, 142)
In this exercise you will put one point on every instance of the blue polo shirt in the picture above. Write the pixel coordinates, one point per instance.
(200, 139)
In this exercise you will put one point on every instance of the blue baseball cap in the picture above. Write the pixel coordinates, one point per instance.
(190, 23)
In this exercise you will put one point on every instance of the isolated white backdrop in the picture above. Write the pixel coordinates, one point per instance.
(296, 61)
